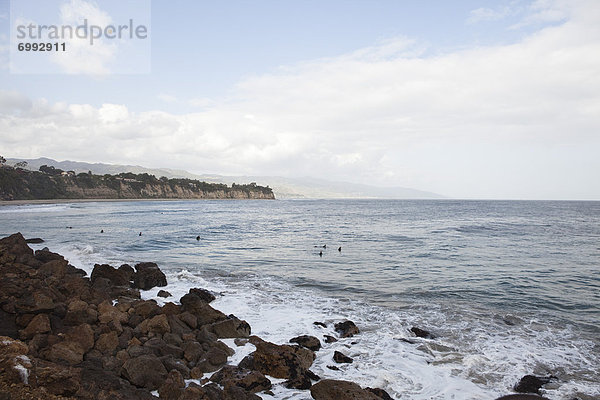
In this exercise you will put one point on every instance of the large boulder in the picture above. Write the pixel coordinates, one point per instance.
(310, 342)
(148, 275)
(232, 327)
(145, 371)
(329, 389)
(346, 328)
(115, 276)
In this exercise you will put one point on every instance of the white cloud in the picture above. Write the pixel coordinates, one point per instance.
(517, 120)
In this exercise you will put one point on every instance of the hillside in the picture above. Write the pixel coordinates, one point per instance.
(52, 183)
(283, 187)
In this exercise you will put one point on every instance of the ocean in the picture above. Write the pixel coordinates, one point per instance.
(508, 288)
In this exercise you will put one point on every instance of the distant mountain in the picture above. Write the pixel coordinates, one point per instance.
(284, 188)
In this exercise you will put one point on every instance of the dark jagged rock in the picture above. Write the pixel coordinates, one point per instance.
(163, 293)
(341, 358)
(251, 381)
(34, 240)
(333, 367)
(330, 339)
(422, 333)
(321, 324)
(532, 384)
(145, 371)
(148, 275)
(115, 276)
(329, 389)
(310, 342)
(346, 328)
(173, 386)
(382, 394)
(203, 294)
(232, 327)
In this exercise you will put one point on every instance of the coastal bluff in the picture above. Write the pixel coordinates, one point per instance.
(50, 183)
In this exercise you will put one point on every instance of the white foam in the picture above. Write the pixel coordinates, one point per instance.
(34, 208)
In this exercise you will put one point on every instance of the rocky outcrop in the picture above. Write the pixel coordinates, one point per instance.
(532, 384)
(26, 185)
(310, 342)
(329, 389)
(346, 329)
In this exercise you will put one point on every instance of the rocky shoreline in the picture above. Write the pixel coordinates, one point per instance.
(64, 335)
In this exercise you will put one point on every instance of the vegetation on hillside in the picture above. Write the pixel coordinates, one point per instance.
(18, 183)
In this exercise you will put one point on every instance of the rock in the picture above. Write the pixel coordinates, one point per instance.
(157, 324)
(172, 387)
(522, 397)
(13, 247)
(34, 240)
(333, 367)
(39, 324)
(212, 360)
(240, 342)
(8, 325)
(346, 329)
(128, 271)
(79, 312)
(251, 381)
(66, 352)
(341, 358)
(148, 275)
(146, 309)
(15, 365)
(163, 293)
(107, 313)
(329, 339)
(310, 342)
(171, 363)
(44, 255)
(321, 324)
(83, 335)
(203, 294)
(115, 276)
(230, 328)
(107, 342)
(421, 333)
(382, 394)
(145, 371)
(237, 393)
(56, 268)
(531, 384)
(329, 389)
(35, 303)
(57, 379)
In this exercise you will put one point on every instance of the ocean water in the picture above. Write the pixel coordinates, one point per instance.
(508, 288)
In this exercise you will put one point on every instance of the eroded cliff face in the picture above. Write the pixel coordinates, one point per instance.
(158, 191)
(19, 184)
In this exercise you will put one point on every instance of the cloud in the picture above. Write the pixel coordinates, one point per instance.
(516, 121)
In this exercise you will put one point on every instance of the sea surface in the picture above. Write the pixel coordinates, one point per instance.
(508, 288)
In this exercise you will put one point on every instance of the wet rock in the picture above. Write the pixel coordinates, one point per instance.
(330, 339)
(310, 342)
(237, 393)
(230, 328)
(341, 358)
(145, 371)
(44, 255)
(333, 367)
(240, 342)
(115, 276)
(203, 294)
(346, 329)
(163, 294)
(34, 240)
(329, 389)
(422, 333)
(251, 381)
(128, 271)
(382, 394)
(212, 360)
(321, 324)
(531, 384)
(148, 275)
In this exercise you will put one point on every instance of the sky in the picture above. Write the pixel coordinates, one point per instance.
(469, 99)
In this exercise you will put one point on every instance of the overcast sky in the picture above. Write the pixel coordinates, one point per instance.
(470, 99)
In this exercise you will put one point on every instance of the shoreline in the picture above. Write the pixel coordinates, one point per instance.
(67, 201)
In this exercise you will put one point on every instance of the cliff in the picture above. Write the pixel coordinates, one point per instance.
(51, 183)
